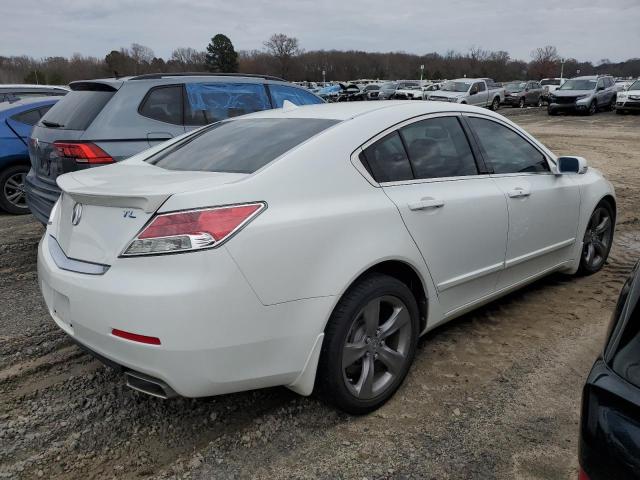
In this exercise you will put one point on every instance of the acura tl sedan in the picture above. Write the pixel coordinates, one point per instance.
(311, 246)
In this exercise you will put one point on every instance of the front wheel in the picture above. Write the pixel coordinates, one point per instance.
(539, 104)
(12, 194)
(369, 344)
(522, 103)
(598, 238)
(593, 108)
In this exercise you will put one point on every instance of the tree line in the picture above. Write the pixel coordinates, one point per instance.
(282, 56)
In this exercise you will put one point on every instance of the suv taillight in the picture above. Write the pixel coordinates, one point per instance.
(192, 230)
(83, 152)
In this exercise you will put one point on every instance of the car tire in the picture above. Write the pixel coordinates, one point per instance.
(597, 240)
(593, 108)
(495, 105)
(612, 104)
(12, 195)
(353, 371)
(522, 103)
(539, 104)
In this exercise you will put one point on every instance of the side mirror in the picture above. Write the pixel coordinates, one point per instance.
(569, 165)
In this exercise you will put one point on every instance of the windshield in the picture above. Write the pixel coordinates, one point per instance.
(635, 85)
(239, 146)
(576, 84)
(550, 81)
(389, 86)
(456, 87)
(515, 86)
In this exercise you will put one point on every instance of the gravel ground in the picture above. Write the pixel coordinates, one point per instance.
(494, 394)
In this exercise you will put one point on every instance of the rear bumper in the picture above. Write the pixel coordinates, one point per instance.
(609, 426)
(216, 336)
(41, 196)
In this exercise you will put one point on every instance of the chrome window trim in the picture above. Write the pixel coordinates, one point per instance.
(71, 264)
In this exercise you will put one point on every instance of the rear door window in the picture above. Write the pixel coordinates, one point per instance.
(163, 104)
(239, 146)
(30, 117)
(212, 102)
(297, 96)
(386, 160)
(438, 147)
(77, 109)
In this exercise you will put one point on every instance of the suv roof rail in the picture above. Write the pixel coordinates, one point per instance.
(151, 76)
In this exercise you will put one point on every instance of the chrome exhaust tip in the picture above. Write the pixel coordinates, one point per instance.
(149, 385)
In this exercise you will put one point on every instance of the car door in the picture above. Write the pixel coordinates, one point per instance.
(455, 213)
(543, 207)
(481, 97)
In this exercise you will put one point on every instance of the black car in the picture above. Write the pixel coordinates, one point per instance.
(610, 423)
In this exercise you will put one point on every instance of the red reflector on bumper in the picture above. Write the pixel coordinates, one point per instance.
(582, 475)
(135, 337)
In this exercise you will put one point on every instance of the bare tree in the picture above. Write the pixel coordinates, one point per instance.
(141, 55)
(545, 63)
(283, 49)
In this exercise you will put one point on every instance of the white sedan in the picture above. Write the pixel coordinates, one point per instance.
(311, 246)
(629, 100)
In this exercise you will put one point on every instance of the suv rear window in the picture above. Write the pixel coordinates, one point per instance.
(77, 109)
(239, 146)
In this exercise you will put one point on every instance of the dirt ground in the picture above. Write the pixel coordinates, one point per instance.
(492, 395)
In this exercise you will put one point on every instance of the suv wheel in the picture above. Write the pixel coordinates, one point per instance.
(522, 103)
(593, 108)
(369, 345)
(12, 195)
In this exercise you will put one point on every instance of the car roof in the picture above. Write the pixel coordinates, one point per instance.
(28, 102)
(347, 110)
(31, 86)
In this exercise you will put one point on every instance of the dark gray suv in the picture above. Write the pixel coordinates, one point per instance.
(584, 95)
(104, 121)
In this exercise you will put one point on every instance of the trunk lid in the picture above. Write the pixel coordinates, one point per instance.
(116, 202)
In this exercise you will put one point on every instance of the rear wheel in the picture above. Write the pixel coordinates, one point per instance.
(12, 194)
(598, 238)
(369, 345)
(495, 105)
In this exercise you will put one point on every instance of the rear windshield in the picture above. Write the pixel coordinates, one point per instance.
(239, 146)
(76, 110)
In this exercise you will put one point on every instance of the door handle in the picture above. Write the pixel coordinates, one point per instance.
(519, 192)
(426, 203)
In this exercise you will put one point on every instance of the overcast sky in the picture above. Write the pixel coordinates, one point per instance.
(584, 29)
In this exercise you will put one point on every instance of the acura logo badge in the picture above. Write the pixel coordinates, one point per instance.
(76, 215)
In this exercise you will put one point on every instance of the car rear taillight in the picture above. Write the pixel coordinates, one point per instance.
(582, 475)
(192, 230)
(83, 152)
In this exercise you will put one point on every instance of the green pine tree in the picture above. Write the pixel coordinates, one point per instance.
(221, 56)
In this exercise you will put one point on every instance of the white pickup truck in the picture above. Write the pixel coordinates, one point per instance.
(482, 92)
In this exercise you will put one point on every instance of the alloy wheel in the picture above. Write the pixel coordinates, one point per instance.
(13, 190)
(376, 349)
(522, 103)
(597, 238)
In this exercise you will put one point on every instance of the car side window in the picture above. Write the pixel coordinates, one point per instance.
(505, 151)
(163, 104)
(480, 86)
(438, 147)
(212, 102)
(600, 83)
(386, 160)
(30, 117)
(297, 96)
